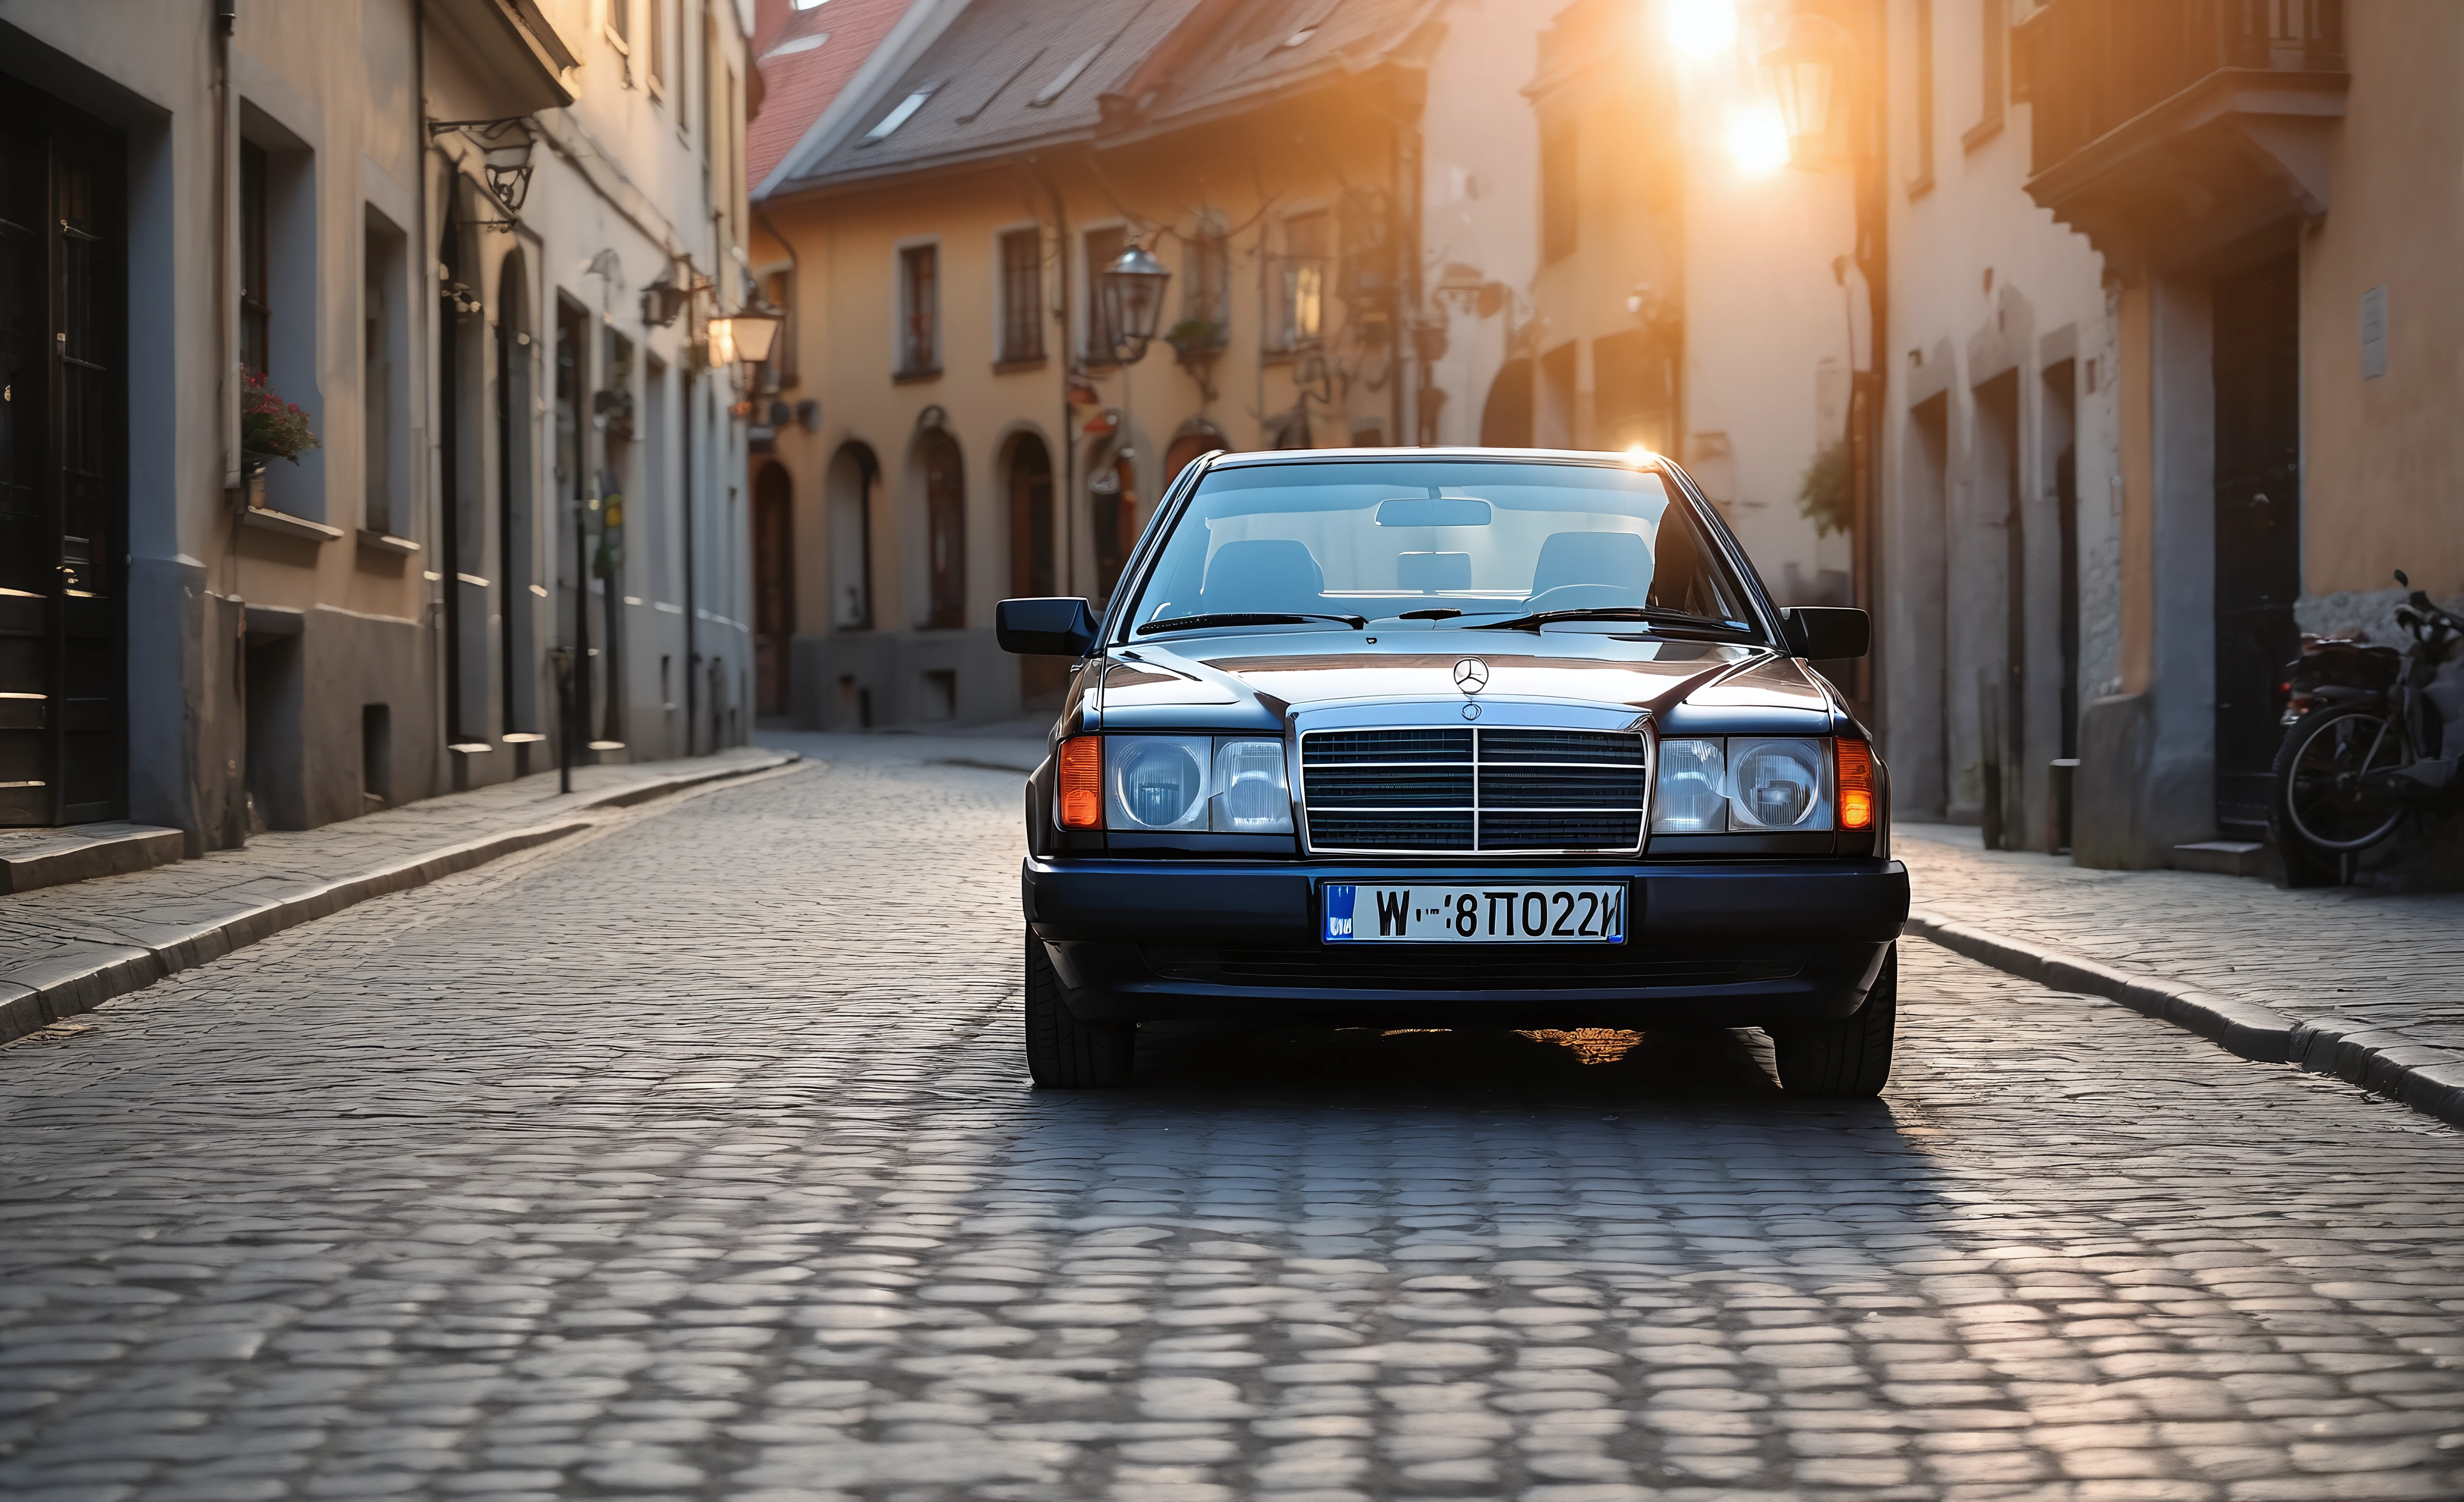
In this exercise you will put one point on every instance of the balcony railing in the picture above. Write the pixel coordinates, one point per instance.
(2093, 65)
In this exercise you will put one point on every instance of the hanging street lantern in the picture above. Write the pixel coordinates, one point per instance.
(1811, 75)
(745, 335)
(1133, 293)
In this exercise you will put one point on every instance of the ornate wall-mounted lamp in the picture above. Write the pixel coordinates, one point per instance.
(504, 147)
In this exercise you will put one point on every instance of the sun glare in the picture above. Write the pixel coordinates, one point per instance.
(1701, 28)
(1758, 139)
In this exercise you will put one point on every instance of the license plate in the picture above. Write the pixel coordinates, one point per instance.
(1475, 914)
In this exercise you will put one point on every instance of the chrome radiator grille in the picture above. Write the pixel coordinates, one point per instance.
(1473, 790)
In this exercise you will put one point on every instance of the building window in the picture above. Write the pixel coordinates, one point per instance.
(1299, 284)
(1925, 97)
(1022, 294)
(1104, 247)
(1206, 288)
(256, 313)
(658, 69)
(620, 24)
(386, 400)
(1558, 219)
(919, 309)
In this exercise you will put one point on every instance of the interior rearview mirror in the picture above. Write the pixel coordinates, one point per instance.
(1827, 633)
(1044, 627)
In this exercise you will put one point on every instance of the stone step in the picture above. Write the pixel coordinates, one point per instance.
(2220, 857)
(34, 858)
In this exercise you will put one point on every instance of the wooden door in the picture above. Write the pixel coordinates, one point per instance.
(63, 496)
(774, 589)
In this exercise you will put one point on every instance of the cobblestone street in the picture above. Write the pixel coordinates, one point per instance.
(695, 1157)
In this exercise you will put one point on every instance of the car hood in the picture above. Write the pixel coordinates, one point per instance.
(1251, 680)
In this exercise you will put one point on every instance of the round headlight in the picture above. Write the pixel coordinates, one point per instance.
(1778, 785)
(1160, 782)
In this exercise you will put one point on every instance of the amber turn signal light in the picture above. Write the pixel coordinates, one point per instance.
(1854, 766)
(1082, 782)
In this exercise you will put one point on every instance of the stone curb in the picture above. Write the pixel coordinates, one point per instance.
(2430, 1080)
(45, 990)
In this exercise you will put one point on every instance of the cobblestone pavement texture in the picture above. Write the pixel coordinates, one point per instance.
(53, 926)
(2348, 959)
(694, 1158)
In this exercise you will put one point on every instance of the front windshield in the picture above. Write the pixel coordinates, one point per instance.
(1457, 542)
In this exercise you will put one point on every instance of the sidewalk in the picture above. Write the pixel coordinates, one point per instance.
(66, 949)
(2345, 982)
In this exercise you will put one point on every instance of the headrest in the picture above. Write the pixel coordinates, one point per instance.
(1621, 559)
(1265, 575)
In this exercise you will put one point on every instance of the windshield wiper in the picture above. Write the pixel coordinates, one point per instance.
(1441, 613)
(1657, 615)
(1194, 623)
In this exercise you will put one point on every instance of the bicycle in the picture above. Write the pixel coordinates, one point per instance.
(2364, 743)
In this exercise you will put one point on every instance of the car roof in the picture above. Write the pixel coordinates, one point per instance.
(1589, 457)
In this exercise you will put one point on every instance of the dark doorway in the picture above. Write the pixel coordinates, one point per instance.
(774, 589)
(461, 442)
(2257, 365)
(1505, 417)
(572, 488)
(63, 487)
(515, 532)
(2059, 424)
(1032, 570)
(945, 521)
(2004, 727)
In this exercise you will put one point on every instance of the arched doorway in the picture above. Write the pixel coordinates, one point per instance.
(774, 589)
(1032, 562)
(1506, 418)
(1112, 517)
(852, 474)
(945, 530)
(1188, 447)
(1031, 569)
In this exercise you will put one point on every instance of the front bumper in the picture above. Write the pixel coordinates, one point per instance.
(1711, 944)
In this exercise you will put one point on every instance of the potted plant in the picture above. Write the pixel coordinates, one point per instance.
(270, 429)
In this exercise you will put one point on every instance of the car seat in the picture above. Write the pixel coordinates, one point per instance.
(1262, 576)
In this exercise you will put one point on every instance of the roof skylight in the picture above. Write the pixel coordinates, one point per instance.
(899, 116)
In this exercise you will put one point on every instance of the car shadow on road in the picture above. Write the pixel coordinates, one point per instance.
(1681, 1070)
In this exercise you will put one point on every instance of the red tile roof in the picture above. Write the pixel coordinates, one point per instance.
(802, 76)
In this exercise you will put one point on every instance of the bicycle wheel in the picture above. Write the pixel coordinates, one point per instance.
(2324, 796)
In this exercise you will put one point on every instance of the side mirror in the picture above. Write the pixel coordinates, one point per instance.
(1826, 632)
(1044, 627)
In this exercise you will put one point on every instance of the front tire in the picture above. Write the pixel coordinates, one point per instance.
(1850, 1058)
(1064, 1052)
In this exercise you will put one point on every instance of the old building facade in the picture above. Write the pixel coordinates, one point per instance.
(427, 227)
(1466, 221)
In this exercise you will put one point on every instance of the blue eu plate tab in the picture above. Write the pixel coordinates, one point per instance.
(1338, 912)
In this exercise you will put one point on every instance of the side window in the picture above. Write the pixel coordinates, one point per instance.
(919, 309)
(1022, 294)
(1206, 289)
(1299, 283)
